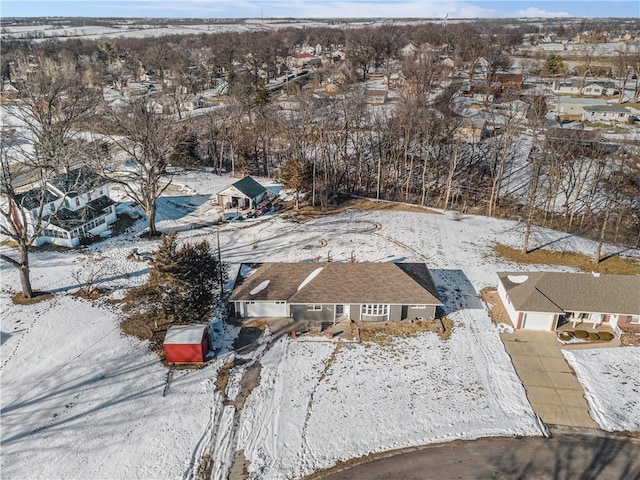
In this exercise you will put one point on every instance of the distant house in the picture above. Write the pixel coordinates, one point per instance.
(591, 88)
(76, 206)
(548, 300)
(330, 292)
(186, 344)
(245, 193)
(552, 46)
(472, 130)
(375, 96)
(570, 108)
(408, 50)
(482, 90)
(606, 114)
(305, 60)
(509, 80)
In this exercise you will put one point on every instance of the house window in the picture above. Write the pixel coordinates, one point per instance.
(314, 308)
(375, 309)
(634, 319)
(418, 306)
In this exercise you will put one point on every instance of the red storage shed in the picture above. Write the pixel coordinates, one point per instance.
(186, 344)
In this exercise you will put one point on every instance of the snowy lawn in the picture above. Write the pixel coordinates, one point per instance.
(81, 401)
(319, 403)
(611, 384)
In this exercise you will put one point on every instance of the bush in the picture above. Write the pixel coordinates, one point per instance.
(565, 336)
(606, 336)
(594, 337)
(581, 334)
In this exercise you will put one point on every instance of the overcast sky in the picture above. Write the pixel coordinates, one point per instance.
(320, 8)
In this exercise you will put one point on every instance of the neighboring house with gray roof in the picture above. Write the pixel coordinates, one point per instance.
(245, 193)
(572, 108)
(328, 292)
(547, 300)
(606, 114)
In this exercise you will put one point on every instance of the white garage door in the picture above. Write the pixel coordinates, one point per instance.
(537, 321)
(265, 309)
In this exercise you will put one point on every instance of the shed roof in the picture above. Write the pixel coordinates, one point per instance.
(184, 334)
(572, 292)
(306, 283)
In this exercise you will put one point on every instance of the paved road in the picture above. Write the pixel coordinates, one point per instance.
(563, 457)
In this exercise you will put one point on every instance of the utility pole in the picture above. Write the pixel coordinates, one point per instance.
(220, 265)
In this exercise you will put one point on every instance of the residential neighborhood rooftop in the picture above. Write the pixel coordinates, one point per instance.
(557, 292)
(334, 282)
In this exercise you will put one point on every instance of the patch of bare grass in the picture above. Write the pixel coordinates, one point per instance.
(19, 299)
(497, 313)
(384, 333)
(613, 265)
(309, 213)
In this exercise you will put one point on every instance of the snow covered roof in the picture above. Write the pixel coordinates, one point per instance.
(556, 292)
(306, 283)
(184, 334)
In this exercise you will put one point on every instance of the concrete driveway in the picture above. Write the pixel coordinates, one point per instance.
(553, 390)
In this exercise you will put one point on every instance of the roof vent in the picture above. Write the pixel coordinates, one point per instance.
(518, 278)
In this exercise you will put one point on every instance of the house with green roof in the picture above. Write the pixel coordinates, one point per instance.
(548, 300)
(245, 194)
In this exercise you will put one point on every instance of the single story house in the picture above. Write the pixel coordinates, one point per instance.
(547, 300)
(333, 291)
(76, 205)
(552, 46)
(375, 96)
(606, 114)
(186, 344)
(509, 80)
(592, 88)
(572, 108)
(245, 193)
(471, 130)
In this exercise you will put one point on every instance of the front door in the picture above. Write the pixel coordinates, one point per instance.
(339, 311)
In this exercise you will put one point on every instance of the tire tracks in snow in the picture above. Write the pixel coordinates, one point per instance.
(217, 456)
(306, 450)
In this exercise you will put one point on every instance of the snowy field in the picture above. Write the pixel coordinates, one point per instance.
(79, 400)
(611, 384)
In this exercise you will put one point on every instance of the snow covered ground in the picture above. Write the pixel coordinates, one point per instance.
(611, 384)
(79, 400)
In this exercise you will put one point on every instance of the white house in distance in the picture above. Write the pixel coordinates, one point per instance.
(548, 300)
(77, 206)
(606, 114)
(591, 88)
(572, 108)
(245, 193)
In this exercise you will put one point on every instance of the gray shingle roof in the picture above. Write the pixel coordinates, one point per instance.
(391, 283)
(606, 108)
(556, 292)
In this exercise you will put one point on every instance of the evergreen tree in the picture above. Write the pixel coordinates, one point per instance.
(183, 284)
(553, 65)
